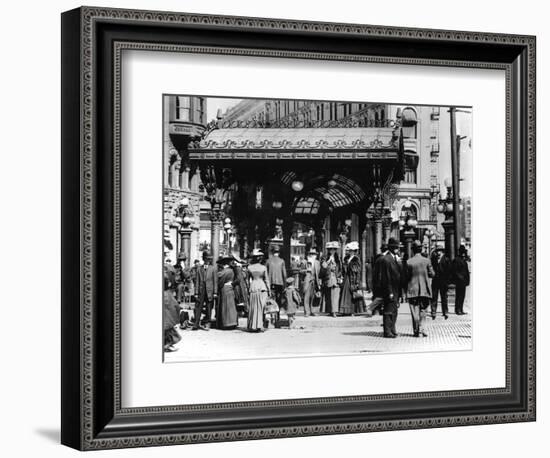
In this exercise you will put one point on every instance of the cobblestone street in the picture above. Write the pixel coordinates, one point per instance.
(325, 335)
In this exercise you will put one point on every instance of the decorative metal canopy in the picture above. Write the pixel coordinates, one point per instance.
(298, 143)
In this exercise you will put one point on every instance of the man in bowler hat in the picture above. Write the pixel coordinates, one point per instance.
(387, 282)
(461, 276)
(207, 290)
(442, 267)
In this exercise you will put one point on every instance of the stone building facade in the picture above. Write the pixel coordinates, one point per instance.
(415, 195)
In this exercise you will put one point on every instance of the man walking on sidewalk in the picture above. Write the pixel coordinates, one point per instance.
(387, 272)
(419, 272)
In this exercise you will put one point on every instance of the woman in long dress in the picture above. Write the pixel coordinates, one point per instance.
(352, 280)
(170, 315)
(259, 287)
(226, 314)
(334, 278)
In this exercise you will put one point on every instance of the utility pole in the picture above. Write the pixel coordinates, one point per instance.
(455, 178)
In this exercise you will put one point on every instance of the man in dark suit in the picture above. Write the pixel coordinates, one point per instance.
(276, 270)
(442, 267)
(387, 284)
(207, 290)
(461, 276)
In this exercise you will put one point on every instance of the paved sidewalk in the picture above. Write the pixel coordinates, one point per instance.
(325, 335)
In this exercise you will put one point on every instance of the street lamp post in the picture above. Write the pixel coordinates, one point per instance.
(227, 227)
(217, 200)
(344, 234)
(446, 207)
(407, 224)
(184, 219)
(430, 235)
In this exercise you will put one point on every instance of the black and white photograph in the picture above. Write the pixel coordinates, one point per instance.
(307, 228)
(249, 229)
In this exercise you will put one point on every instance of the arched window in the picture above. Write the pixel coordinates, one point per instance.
(307, 205)
(409, 121)
(410, 211)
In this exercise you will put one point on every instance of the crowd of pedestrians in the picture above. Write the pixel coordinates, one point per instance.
(421, 281)
(262, 288)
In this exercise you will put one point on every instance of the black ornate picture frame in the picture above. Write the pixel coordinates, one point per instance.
(92, 42)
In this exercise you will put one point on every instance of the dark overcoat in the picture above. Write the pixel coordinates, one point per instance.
(461, 272)
(352, 283)
(443, 269)
(207, 281)
(387, 279)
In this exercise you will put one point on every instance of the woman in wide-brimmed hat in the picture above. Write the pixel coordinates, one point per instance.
(241, 287)
(312, 283)
(332, 278)
(350, 303)
(226, 313)
(258, 292)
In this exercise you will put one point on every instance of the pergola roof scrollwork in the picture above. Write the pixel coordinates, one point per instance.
(298, 143)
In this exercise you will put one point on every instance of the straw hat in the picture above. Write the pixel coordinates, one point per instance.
(256, 252)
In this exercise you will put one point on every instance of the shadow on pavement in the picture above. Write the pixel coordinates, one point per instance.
(374, 334)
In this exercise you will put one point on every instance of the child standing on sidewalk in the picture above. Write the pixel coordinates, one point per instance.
(291, 300)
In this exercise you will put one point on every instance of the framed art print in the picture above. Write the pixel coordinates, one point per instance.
(276, 228)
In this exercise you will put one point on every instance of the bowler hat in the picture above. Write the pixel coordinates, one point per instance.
(182, 256)
(462, 250)
(392, 243)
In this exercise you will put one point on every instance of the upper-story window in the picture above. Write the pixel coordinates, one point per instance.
(198, 108)
(409, 122)
(183, 108)
(410, 176)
